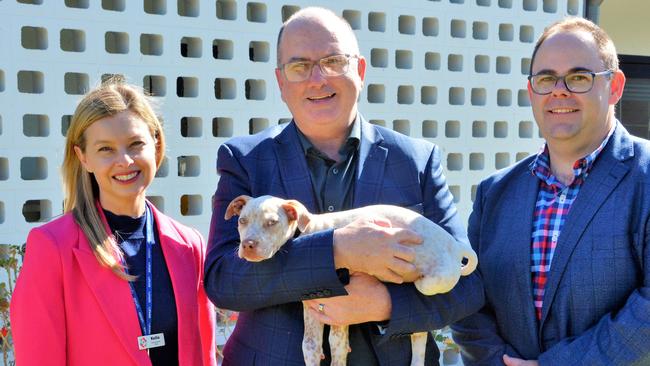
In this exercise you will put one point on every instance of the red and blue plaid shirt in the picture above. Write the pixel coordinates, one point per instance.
(554, 201)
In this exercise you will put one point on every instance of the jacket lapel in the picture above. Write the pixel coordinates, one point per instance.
(371, 165)
(293, 167)
(114, 298)
(607, 172)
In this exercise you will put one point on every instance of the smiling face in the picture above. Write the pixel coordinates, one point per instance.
(320, 103)
(579, 120)
(121, 153)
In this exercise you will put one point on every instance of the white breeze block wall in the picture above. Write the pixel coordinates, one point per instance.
(449, 71)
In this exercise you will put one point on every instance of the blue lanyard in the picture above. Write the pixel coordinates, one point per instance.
(150, 241)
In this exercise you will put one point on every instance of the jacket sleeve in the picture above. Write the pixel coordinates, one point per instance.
(207, 314)
(303, 269)
(412, 311)
(37, 310)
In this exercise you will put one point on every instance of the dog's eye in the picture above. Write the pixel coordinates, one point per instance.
(242, 221)
(270, 223)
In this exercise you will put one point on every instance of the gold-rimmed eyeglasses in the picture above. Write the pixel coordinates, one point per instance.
(333, 65)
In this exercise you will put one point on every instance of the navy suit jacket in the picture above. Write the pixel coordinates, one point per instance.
(393, 169)
(596, 307)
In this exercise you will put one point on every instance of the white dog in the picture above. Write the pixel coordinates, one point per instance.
(266, 223)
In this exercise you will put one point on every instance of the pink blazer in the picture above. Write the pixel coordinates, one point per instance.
(68, 310)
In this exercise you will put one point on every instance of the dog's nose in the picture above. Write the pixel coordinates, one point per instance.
(249, 244)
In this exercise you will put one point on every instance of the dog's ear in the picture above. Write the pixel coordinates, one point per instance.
(236, 205)
(296, 211)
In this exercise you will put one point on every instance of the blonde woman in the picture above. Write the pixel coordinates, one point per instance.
(113, 281)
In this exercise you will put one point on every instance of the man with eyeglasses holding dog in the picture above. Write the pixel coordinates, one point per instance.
(330, 159)
(562, 236)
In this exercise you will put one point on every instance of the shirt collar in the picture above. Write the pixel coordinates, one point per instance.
(541, 167)
(354, 137)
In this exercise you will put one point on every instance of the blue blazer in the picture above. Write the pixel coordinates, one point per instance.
(596, 308)
(393, 169)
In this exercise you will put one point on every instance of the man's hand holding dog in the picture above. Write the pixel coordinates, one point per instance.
(372, 246)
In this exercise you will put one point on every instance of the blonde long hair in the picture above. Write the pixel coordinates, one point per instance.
(80, 187)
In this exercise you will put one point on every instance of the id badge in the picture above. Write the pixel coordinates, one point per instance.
(151, 341)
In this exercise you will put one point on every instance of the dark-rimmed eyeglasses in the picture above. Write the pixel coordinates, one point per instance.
(334, 65)
(575, 82)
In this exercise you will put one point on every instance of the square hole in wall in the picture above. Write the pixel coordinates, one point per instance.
(116, 42)
(114, 5)
(432, 61)
(402, 126)
(429, 95)
(256, 125)
(256, 12)
(227, 9)
(549, 6)
(191, 47)
(480, 30)
(429, 128)
(255, 89)
(36, 125)
(482, 63)
(30, 2)
(455, 62)
(222, 49)
(521, 155)
(225, 88)
(526, 34)
(151, 44)
(505, 4)
(458, 28)
(504, 97)
(287, 11)
(501, 160)
(404, 59)
(4, 168)
(525, 129)
(530, 5)
(33, 168)
(191, 126)
(65, 124)
(37, 210)
(33, 38)
(353, 17)
(189, 166)
(187, 87)
(503, 65)
(525, 66)
(376, 93)
(430, 26)
(158, 202)
(456, 96)
(282, 121)
(31, 82)
(405, 94)
(80, 4)
(222, 127)
(189, 8)
(75, 83)
(452, 129)
(454, 189)
(476, 161)
(73, 40)
(117, 78)
(158, 7)
(500, 129)
(522, 98)
(573, 7)
(483, 2)
(259, 51)
(2, 81)
(478, 96)
(0, 125)
(379, 57)
(155, 85)
(455, 163)
(506, 32)
(406, 24)
(479, 129)
(191, 205)
(376, 21)
(163, 169)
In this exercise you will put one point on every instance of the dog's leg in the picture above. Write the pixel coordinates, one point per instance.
(339, 345)
(418, 348)
(312, 341)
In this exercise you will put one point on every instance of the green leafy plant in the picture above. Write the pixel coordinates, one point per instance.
(10, 260)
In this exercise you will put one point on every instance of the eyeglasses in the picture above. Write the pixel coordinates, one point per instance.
(575, 82)
(334, 65)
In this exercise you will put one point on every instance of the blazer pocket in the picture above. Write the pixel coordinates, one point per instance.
(419, 208)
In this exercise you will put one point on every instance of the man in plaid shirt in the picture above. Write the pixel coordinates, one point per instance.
(562, 236)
